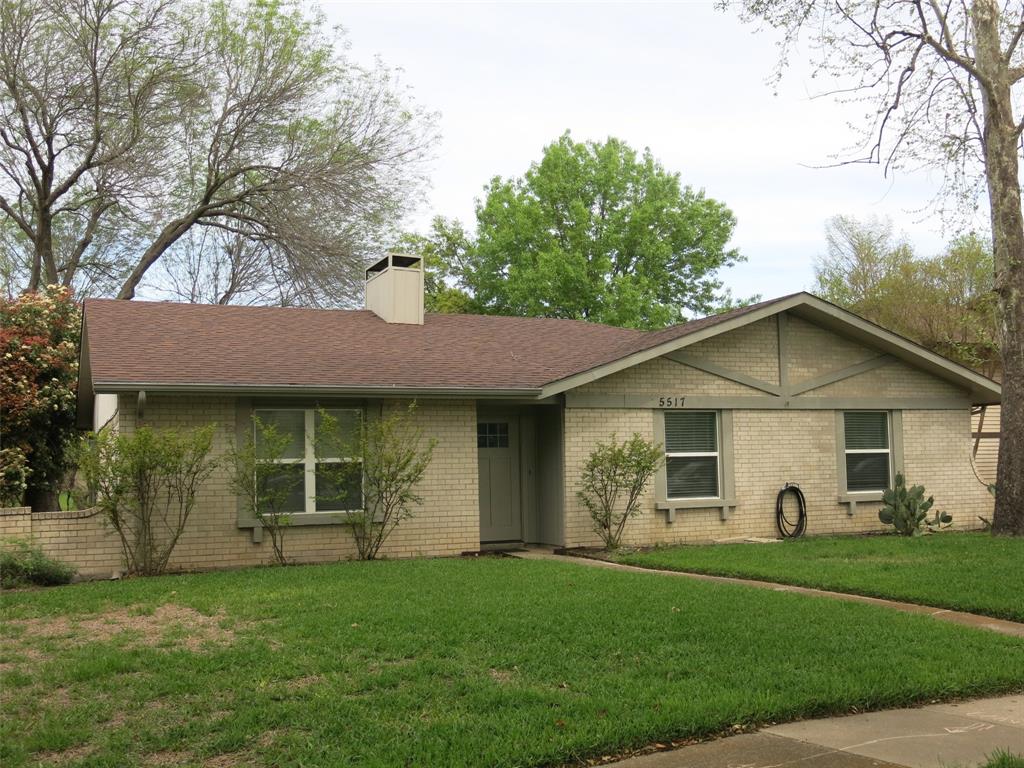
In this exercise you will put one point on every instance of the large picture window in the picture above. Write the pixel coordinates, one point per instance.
(692, 455)
(315, 492)
(868, 450)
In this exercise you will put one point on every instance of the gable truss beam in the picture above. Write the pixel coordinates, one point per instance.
(843, 373)
(724, 373)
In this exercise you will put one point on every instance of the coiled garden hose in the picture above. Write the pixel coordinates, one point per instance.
(787, 528)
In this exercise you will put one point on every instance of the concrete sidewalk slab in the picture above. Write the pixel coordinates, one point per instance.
(753, 750)
(930, 737)
(963, 734)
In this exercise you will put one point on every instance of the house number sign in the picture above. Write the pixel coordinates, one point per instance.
(671, 401)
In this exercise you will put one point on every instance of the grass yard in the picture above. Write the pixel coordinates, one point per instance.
(972, 572)
(447, 662)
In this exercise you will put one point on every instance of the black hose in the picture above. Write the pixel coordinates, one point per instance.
(787, 529)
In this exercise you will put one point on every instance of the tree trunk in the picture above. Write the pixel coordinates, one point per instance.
(42, 500)
(1002, 173)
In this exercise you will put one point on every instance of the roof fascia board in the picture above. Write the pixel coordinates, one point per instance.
(576, 380)
(113, 387)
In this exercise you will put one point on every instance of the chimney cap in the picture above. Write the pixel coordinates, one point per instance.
(394, 260)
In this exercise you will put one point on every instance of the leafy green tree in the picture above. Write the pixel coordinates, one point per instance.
(953, 310)
(593, 231)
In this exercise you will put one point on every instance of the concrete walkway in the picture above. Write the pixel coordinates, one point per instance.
(1002, 626)
(938, 736)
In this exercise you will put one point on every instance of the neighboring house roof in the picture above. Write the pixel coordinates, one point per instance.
(164, 346)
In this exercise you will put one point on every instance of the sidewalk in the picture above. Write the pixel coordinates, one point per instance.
(1012, 628)
(937, 736)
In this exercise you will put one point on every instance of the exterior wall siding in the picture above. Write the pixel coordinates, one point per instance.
(446, 523)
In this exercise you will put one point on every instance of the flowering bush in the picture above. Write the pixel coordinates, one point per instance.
(39, 335)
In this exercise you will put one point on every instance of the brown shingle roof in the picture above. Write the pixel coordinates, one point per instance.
(164, 343)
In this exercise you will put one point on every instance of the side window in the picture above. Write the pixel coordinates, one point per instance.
(298, 467)
(867, 450)
(692, 454)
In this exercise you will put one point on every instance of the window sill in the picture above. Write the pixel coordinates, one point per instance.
(724, 506)
(302, 518)
(853, 498)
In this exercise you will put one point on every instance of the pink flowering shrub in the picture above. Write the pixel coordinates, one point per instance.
(39, 334)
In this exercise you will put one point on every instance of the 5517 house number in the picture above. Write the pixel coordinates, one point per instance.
(671, 401)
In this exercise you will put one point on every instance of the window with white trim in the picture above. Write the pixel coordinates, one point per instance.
(868, 450)
(692, 455)
(310, 494)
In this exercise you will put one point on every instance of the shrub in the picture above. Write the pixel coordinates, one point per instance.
(22, 562)
(392, 458)
(13, 476)
(145, 484)
(265, 491)
(906, 509)
(612, 471)
(39, 333)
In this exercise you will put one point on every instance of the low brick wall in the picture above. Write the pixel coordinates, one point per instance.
(79, 538)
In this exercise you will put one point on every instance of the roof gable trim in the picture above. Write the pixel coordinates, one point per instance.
(812, 309)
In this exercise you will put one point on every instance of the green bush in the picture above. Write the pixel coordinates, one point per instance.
(906, 509)
(615, 471)
(22, 562)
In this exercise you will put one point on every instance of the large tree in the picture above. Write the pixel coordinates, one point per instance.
(943, 301)
(944, 80)
(593, 231)
(165, 141)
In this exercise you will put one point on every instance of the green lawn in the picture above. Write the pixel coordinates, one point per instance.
(447, 662)
(972, 572)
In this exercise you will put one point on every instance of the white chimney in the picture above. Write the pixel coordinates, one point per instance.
(394, 289)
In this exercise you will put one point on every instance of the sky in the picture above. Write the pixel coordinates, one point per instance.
(685, 79)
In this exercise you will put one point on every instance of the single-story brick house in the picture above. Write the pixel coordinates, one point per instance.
(788, 390)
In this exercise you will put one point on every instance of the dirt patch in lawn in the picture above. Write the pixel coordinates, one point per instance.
(167, 758)
(64, 755)
(230, 760)
(172, 625)
(297, 683)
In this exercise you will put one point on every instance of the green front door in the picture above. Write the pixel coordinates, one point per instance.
(501, 516)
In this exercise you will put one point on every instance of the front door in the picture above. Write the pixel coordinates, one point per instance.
(497, 441)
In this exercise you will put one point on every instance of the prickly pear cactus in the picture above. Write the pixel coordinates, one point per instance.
(906, 509)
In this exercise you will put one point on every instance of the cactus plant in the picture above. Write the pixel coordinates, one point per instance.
(906, 509)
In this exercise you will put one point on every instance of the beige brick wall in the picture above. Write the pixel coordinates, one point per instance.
(772, 447)
(754, 350)
(447, 522)
(661, 376)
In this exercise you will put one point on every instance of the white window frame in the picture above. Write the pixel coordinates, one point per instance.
(888, 451)
(309, 458)
(717, 453)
